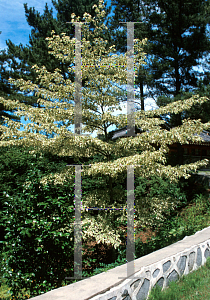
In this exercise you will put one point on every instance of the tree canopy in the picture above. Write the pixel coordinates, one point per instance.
(178, 41)
(146, 152)
(17, 60)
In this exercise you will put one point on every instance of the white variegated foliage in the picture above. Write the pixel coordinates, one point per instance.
(55, 104)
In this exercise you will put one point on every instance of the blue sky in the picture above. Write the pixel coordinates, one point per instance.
(15, 27)
(13, 21)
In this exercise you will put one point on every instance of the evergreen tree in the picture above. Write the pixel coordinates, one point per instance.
(6, 90)
(21, 58)
(203, 89)
(132, 11)
(177, 39)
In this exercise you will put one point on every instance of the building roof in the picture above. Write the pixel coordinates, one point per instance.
(205, 135)
(123, 132)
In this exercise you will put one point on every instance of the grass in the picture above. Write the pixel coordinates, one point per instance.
(190, 219)
(195, 285)
(4, 290)
(5, 294)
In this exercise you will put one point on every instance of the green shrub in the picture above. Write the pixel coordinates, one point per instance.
(40, 253)
(185, 223)
(15, 162)
(156, 199)
(38, 247)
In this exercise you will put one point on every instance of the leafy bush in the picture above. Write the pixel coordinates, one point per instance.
(15, 162)
(38, 247)
(156, 199)
(192, 219)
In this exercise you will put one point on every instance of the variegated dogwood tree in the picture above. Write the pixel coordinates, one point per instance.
(48, 128)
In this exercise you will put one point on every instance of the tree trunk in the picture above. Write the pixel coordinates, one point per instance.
(142, 95)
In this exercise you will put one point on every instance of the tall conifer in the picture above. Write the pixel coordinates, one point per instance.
(177, 39)
(19, 59)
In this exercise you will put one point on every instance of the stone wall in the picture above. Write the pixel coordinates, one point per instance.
(161, 273)
(159, 267)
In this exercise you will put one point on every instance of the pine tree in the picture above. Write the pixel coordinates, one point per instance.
(20, 59)
(177, 39)
(5, 89)
(132, 11)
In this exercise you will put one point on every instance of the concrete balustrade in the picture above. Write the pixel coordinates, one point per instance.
(159, 267)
